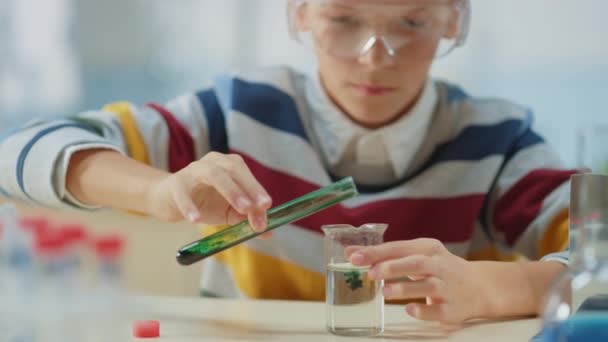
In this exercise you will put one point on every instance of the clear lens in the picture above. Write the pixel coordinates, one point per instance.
(348, 31)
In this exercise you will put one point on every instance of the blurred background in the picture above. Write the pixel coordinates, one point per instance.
(61, 56)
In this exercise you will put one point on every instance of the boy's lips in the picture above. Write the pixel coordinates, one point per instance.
(371, 90)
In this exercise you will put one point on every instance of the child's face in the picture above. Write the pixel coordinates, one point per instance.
(374, 59)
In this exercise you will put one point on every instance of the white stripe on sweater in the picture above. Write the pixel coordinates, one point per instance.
(10, 150)
(539, 156)
(303, 162)
(444, 180)
(217, 278)
(153, 130)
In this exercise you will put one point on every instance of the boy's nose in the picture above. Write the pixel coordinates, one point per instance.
(377, 53)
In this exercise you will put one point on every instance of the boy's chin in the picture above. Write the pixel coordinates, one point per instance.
(370, 116)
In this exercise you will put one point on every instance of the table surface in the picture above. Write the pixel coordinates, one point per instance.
(184, 319)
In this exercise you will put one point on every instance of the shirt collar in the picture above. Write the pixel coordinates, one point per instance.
(402, 138)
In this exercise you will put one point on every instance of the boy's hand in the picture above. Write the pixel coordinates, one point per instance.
(424, 268)
(217, 189)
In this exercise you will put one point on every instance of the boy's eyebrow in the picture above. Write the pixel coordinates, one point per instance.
(335, 5)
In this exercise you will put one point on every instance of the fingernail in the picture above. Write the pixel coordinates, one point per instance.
(263, 200)
(243, 203)
(260, 222)
(412, 310)
(387, 291)
(357, 258)
(193, 216)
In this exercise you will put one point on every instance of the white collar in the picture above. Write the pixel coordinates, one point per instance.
(402, 139)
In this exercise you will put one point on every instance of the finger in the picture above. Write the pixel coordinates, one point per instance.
(239, 171)
(415, 267)
(184, 203)
(257, 221)
(436, 312)
(224, 184)
(428, 287)
(234, 217)
(396, 249)
(349, 250)
(265, 236)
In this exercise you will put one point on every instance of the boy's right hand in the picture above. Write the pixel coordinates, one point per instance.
(217, 189)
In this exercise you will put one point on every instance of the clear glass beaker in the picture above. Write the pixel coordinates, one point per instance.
(576, 307)
(355, 304)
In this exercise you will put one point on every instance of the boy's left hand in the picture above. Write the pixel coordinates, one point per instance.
(424, 268)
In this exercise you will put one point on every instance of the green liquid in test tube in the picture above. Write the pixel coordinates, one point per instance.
(285, 213)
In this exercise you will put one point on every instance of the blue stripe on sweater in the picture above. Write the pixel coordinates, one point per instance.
(261, 102)
(455, 94)
(472, 144)
(216, 123)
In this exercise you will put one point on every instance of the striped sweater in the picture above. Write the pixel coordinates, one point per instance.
(485, 183)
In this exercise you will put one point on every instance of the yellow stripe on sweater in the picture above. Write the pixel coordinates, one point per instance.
(491, 253)
(556, 236)
(261, 276)
(135, 142)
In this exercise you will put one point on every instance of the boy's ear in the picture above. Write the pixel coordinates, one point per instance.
(453, 27)
(301, 16)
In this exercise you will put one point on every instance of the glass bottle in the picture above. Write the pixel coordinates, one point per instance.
(576, 308)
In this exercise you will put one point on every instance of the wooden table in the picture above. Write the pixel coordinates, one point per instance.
(186, 319)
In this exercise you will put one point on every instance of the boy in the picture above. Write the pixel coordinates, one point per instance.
(458, 179)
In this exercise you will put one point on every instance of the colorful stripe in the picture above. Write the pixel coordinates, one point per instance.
(494, 254)
(527, 139)
(135, 142)
(556, 236)
(216, 123)
(447, 219)
(498, 139)
(262, 102)
(522, 203)
(466, 147)
(181, 143)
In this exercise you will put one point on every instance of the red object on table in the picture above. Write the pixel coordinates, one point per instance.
(146, 329)
(73, 233)
(35, 225)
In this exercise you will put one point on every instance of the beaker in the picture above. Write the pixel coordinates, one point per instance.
(355, 304)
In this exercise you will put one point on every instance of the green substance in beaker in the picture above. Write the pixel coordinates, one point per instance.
(353, 279)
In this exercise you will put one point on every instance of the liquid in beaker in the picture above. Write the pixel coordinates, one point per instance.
(355, 304)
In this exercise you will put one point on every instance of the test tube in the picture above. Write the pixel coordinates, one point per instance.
(285, 213)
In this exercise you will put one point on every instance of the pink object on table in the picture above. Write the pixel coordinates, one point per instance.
(146, 329)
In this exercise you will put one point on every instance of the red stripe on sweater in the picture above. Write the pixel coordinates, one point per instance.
(446, 219)
(181, 143)
(522, 203)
